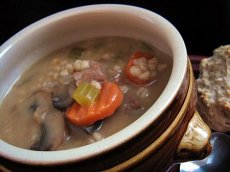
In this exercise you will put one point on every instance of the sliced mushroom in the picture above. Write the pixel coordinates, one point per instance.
(51, 121)
(52, 130)
(94, 127)
(39, 145)
(40, 99)
(62, 96)
(91, 130)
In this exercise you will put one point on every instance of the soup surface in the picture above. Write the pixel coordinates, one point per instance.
(83, 93)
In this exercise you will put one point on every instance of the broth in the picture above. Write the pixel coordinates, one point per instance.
(23, 125)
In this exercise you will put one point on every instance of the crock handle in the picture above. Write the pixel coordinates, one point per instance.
(195, 143)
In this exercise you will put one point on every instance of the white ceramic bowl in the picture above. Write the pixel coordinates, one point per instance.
(73, 25)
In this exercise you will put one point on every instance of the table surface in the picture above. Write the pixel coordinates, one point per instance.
(204, 25)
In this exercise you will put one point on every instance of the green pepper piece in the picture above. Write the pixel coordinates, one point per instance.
(75, 53)
(85, 93)
(146, 47)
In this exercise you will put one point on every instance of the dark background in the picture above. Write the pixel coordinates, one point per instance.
(204, 25)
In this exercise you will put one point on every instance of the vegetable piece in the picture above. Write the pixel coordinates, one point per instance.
(49, 120)
(75, 53)
(90, 129)
(85, 93)
(139, 73)
(146, 46)
(109, 99)
(61, 96)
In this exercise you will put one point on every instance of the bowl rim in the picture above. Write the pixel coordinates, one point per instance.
(81, 153)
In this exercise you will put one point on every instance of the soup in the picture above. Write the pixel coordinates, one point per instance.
(83, 93)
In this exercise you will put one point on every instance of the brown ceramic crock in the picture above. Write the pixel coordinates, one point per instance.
(171, 131)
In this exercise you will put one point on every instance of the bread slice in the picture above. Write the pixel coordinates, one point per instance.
(214, 89)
